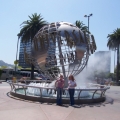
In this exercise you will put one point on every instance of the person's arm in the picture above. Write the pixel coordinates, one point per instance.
(69, 84)
(63, 85)
(75, 85)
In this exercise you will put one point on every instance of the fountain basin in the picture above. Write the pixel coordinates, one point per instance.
(95, 95)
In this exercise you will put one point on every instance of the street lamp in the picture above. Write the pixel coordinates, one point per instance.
(88, 16)
(88, 19)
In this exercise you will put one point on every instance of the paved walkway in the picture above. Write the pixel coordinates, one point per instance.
(16, 109)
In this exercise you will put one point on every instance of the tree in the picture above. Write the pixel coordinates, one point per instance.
(114, 44)
(81, 25)
(29, 29)
(115, 72)
(16, 62)
(3, 67)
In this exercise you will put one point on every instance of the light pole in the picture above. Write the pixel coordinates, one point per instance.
(114, 63)
(88, 16)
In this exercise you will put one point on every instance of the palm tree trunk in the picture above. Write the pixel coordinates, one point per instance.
(32, 71)
(32, 66)
(16, 56)
(117, 63)
(114, 63)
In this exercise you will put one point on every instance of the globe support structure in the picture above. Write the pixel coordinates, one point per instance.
(63, 68)
(61, 48)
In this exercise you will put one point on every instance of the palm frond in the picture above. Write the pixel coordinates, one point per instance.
(30, 27)
(81, 25)
(114, 39)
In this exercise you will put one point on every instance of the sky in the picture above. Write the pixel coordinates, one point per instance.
(105, 20)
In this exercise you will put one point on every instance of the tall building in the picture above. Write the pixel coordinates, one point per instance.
(22, 62)
(102, 61)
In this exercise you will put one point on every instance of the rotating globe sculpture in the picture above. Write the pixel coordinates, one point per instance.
(60, 48)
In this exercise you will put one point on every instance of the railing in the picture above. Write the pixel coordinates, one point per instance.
(99, 88)
(28, 81)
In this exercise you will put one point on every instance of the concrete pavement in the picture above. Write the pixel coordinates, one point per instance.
(17, 109)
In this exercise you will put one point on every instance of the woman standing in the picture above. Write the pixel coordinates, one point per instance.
(59, 84)
(71, 87)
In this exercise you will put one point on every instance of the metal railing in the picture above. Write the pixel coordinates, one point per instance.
(14, 86)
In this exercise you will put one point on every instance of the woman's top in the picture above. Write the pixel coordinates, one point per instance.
(71, 84)
(60, 83)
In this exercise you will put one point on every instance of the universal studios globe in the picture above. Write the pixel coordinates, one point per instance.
(61, 48)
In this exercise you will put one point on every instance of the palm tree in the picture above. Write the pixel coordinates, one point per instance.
(29, 29)
(114, 44)
(81, 25)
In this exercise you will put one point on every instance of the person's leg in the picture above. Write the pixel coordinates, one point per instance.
(60, 100)
(70, 96)
(58, 96)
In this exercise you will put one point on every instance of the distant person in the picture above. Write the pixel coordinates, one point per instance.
(71, 87)
(59, 84)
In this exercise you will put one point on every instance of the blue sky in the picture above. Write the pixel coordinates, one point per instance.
(105, 19)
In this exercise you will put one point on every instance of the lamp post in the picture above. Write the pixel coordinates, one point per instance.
(88, 16)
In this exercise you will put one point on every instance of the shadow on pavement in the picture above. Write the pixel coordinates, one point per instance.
(107, 101)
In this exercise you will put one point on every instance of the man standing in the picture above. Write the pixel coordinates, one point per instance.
(59, 84)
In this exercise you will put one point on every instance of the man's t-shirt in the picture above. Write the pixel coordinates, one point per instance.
(60, 83)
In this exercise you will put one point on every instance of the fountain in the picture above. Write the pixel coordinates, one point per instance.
(59, 48)
(36, 91)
